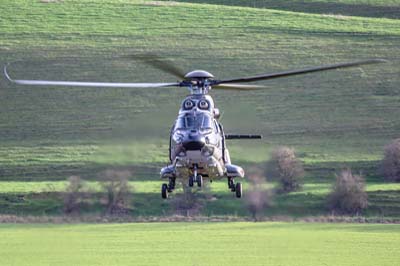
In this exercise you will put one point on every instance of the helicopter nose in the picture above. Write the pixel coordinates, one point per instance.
(194, 142)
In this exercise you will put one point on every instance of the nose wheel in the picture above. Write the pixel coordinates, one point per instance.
(199, 180)
(235, 187)
(196, 179)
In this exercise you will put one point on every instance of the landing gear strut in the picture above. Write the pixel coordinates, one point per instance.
(167, 188)
(195, 178)
(231, 184)
(237, 188)
(171, 184)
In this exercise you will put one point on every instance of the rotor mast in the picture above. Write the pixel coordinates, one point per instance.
(198, 82)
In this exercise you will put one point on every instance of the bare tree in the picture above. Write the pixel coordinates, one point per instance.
(287, 168)
(348, 193)
(191, 202)
(75, 195)
(118, 195)
(257, 197)
(390, 166)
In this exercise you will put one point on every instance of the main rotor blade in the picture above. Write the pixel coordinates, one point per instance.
(88, 84)
(301, 71)
(160, 63)
(238, 87)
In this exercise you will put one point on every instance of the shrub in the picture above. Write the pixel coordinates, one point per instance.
(285, 166)
(190, 202)
(75, 195)
(257, 197)
(116, 186)
(348, 194)
(390, 166)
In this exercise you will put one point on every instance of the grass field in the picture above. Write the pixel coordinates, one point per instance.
(335, 119)
(200, 244)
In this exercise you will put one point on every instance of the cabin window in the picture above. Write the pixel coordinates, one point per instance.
(216, 128)
(200, 121)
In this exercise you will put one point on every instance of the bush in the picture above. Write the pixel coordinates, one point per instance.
(257, 197)
(348, 195)
(285, 166)
(116, 186)
(390, 166)
(191, 202)
(75, 195)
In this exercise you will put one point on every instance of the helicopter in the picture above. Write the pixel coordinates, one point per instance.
(197, 143)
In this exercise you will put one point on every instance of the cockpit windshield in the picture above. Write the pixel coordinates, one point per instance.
(194, 121)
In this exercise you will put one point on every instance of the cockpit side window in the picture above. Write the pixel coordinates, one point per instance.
(180, 123)
(216, 127)
(207, 124)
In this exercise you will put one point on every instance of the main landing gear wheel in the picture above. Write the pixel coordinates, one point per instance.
(164, 191)
(238, 190)
(199, 180)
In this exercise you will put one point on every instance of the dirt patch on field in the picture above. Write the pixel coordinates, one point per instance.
(336, 16)
(161, 3)
(50, 1)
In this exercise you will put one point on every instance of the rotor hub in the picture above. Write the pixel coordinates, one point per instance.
(198, 74)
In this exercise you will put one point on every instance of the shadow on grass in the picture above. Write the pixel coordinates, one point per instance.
(293, 205)
(322, 170)
(362, 10)
(87, 171)
(383, 203)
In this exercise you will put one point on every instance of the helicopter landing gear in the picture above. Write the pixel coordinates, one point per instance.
(164, 191)
(199, 180)
(191, 181)
(167, 188)
(171, 184)
(231, 184)
(237, 188)
(195, 178)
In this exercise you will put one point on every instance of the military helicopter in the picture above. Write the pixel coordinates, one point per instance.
(197, 144)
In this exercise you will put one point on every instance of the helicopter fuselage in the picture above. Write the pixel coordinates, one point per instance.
(197, 143)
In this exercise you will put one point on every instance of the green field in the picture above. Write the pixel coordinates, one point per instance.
(200, 244)
(334, 119)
